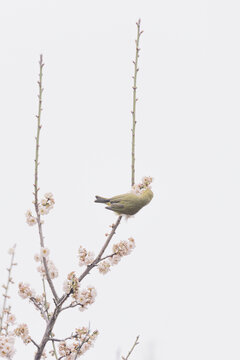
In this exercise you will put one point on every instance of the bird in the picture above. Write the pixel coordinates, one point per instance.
(129, 203)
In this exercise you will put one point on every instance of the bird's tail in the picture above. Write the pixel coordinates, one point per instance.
(100, 199)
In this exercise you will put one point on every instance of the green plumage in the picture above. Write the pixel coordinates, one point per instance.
(127, 204)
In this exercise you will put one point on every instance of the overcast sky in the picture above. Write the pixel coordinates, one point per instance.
(179, 289)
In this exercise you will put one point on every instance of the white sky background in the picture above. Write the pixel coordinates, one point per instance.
(179, 289)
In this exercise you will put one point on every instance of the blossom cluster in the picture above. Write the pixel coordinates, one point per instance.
(120, 249)
(23, 333)
(11, 319)
(87, 297)
(71, 285)
(24, 291)
(84, 297)
(81, 341)
(8, 321)
(46, 204)
(139, 188)
(30, 219)
(7, 346)
(52, 270)
(85, 257)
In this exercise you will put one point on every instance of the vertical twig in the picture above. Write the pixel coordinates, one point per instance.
(48, 316)
(81, 345)
(136, 69)
(36, 188)
(131, 350)
(6, 287)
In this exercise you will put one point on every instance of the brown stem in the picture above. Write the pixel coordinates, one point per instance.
(131, 350)
(48, 332)
(5, 295)
(98, 258)
(136, 69)
(36, 189)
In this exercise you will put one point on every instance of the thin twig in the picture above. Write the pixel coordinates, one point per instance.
(99, 257)
(135, 344)
(46, 309)
(34, 342)
(6, 287)
(36, 188)
(136, 69)
(62, 340)
(83, 342)
(106, 257)
(96, 261)
(71, 306)
(78, 348)
(44, 315)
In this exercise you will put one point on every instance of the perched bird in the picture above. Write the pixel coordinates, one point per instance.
(129, 203)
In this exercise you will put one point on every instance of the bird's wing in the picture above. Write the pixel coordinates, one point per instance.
(115, 207)
(122, 197)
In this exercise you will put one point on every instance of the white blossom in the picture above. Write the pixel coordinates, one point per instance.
(30, 219)
(86, 297)
(71, 284)
(37, 257)
(85, 257)
(81, 341)
(22, 331)
(52, 270)
(104, 267)
(11, 319)
(7, 346)
(25, 291)
(46, 204)
(114, 259)
(44, 252)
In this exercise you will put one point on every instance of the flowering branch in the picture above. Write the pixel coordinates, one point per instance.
(135, 344)
(86, 338)
(96, 261)
(40, 308)
(82, 339)
(36, 188)
(6, 287)
(98, 258)
(136, 69)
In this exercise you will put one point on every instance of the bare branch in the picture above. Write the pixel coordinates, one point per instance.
(6, 287)
(60, 340)
(43, 312)
(36, 189)
(106, 257)
(34, 343)
(71, 306)
(135, 344)
(136, 69)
